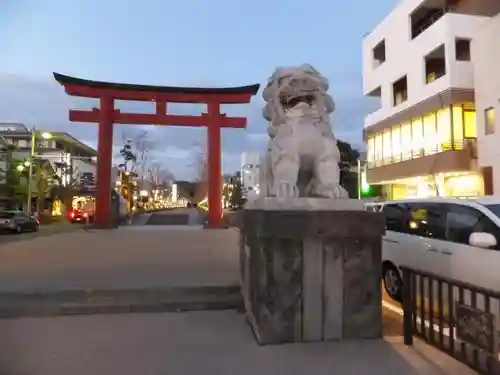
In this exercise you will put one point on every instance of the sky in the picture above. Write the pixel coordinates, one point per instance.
(205, 43)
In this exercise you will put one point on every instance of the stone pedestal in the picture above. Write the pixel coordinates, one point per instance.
(310, 269)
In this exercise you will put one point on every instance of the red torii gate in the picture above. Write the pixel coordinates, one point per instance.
(107, 115)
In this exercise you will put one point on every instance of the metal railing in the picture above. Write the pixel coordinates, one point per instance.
(456, 317)
(466, 144)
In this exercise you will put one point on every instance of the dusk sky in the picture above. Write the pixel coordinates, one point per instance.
(186, 43)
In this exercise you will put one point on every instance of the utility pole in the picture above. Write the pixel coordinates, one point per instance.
(359, 179)
(32, 158)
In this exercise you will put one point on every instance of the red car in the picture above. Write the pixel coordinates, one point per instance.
(78, 216)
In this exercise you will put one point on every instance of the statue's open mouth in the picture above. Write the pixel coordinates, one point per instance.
(290, 102)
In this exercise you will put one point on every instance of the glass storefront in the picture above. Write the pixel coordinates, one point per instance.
(442, 130)
(450, 185)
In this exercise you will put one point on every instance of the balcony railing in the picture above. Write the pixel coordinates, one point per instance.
(467, 144)
(456, 317)
(422, 25)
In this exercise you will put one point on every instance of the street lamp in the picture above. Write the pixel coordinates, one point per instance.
(32, 157)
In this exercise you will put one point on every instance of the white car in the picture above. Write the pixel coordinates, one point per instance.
(453, 238)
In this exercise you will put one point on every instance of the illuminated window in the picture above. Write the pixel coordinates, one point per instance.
(406, 140)
(470, 124)
(379, 147)
(489, 121)
(430, 134)
(370, 150)
(444, 129)
(387, 152)
(396, 143)
(417, 136)
(458, 128)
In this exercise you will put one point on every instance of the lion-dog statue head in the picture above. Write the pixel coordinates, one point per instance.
(290, 86)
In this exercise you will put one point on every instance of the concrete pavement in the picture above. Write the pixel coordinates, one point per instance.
(122, 270)
(150, 267)
(209, 343)
(134, 268)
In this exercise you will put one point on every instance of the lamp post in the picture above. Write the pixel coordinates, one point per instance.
(32, 158)
(359, 179)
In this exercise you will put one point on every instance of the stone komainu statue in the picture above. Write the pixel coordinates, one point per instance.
(302, 157)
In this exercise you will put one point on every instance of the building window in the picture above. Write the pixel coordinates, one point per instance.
(435, 64)
(396, 144)
(406, 141)
(458, 128)
(379, 148)
(425, 135)
(430, 134)
(387, 152)
(489, 121)
(400, 91)
(370, 150)
(417, 137)
(462, 49)
(444, 129)
(424, 17)
(470, 124)
(379, 54)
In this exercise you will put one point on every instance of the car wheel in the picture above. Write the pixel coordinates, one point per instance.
(19, 229)
(393, 284)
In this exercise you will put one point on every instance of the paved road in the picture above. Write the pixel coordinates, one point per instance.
(209, 343)
(45, 230)
(177, 217)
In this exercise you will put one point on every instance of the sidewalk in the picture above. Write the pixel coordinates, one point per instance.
(208, 343)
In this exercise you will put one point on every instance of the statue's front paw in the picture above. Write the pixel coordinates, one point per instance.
(331, 192)
(285, 190)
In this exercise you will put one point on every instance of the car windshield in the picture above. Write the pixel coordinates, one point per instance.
(495, 208)
(6, 215)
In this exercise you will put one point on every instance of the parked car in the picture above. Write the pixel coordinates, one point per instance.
(453, 238)
(17, 222)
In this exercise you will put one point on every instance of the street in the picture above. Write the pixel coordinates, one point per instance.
(44, 230)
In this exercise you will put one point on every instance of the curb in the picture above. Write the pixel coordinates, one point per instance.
(119, 301)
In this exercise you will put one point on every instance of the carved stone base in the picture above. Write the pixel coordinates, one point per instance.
(310, 269)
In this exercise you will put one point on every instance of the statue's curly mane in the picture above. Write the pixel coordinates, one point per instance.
(289, 86)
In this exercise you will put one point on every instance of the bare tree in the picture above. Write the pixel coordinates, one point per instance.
(200, 165)
(65, 179)
(137, 146)
(160, 176)
(128, 155)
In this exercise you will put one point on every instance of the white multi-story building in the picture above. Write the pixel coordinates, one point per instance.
(250, 170)
(419, 63)
(72, 160)
(486, 58)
